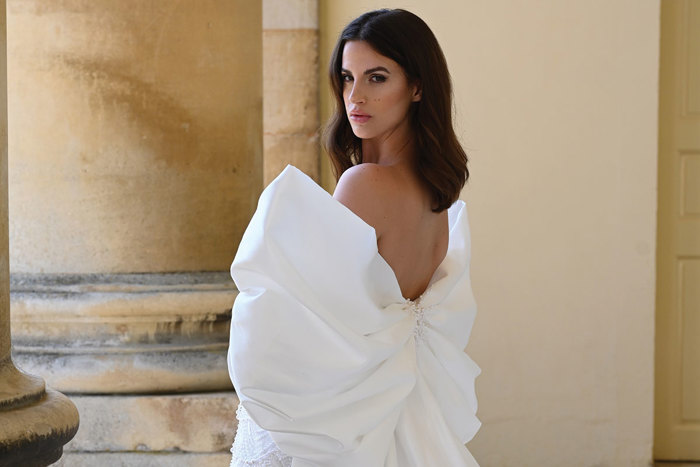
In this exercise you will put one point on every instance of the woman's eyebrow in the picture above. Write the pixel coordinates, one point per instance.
(369, 71)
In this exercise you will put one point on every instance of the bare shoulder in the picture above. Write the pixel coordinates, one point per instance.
(366, 190)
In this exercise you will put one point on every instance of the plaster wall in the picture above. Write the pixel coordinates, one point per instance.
(556, 106)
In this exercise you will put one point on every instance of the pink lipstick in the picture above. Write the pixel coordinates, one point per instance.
(358, 117)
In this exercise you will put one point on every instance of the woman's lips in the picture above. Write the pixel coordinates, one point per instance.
(359, 118)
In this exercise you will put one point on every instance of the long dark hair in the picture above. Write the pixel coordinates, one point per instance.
(406, 39)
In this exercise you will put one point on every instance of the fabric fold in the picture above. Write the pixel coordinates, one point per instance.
(323, 351)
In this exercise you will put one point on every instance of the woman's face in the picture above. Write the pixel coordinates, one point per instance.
(376, 91)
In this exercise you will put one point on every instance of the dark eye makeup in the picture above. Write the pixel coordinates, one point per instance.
(373, 78)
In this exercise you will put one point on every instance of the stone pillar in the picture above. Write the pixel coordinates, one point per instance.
(290, 87)
(135, 165)
(35, 422)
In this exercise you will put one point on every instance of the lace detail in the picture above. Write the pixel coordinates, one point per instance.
(418, 311)
(253, 446)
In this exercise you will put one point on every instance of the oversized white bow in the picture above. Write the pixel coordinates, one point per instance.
(329, 357)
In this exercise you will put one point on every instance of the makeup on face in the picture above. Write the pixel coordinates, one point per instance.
(376, 93)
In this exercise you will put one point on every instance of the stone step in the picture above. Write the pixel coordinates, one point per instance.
(139, 459)
(203, 423)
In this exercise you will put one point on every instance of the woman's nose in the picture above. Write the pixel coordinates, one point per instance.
(356, 95)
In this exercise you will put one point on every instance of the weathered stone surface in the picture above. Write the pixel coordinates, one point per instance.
(135, 459)
(18, 389)
(34, 435)
(136, 148)
(204, 423)
(121, 333)
(35, 423)
(290, 117)
(136, 142)
(290, 14)
(298, 149)
(290, 73)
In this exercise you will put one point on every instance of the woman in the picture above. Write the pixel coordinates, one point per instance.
(347, 336)
(391, 139)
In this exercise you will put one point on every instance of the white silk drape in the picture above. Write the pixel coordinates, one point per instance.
(330, 358)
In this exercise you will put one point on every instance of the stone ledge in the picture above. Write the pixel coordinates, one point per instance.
(124, 333)
(159, 369)
(199, 422)
(137, 459)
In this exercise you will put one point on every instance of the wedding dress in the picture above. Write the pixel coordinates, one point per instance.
(332, 365)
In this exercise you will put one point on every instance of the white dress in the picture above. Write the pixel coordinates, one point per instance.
(253, 446)
(332, 365)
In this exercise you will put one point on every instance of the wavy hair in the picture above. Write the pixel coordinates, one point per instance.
(405, 38)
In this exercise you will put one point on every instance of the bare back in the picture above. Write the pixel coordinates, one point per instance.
(413, 240)
(410, 237)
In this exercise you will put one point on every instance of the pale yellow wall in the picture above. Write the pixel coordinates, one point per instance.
(557, 108)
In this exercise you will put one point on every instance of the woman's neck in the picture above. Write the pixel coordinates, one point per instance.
(394, 148)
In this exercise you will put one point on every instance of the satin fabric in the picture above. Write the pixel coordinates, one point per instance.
(328, 356)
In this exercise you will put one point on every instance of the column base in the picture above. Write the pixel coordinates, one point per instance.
(124, 333)
(34, 434)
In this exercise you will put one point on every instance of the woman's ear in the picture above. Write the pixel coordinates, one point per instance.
(417, 92)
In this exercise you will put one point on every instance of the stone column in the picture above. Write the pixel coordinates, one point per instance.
(290, 87)
(35, 422)
(135, 165)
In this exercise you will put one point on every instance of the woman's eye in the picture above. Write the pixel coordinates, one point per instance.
(346, 78)
(377, 78)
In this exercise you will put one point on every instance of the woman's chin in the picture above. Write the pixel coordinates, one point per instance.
(361, 133)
